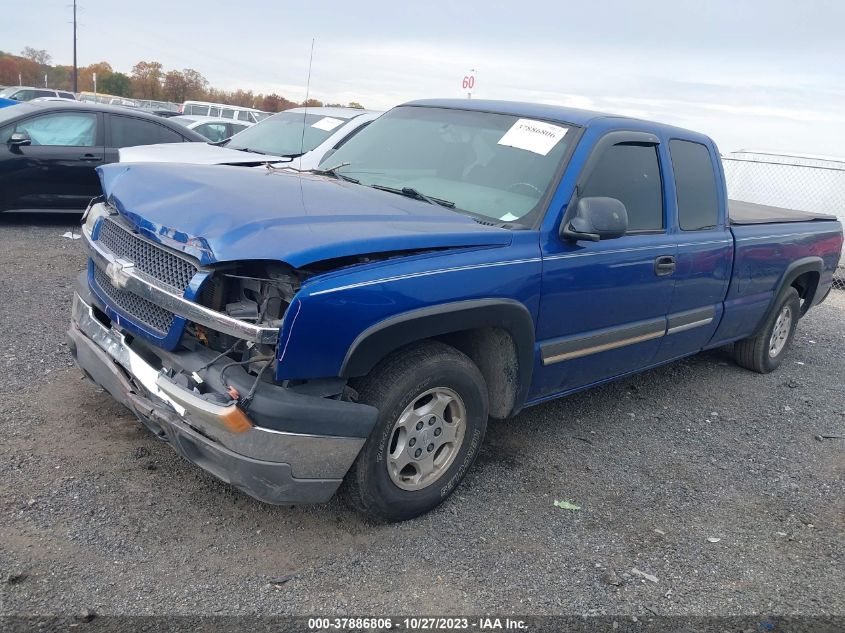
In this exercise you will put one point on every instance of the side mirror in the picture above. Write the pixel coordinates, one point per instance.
(596, 219)
(19, 138)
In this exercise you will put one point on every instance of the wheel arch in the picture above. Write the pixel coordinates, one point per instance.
(804, 275)
(497, 334)
(807, 285)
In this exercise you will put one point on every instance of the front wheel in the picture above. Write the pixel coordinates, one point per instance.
(764, 353)
(432, 403)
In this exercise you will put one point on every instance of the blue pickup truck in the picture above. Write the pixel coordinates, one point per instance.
(358, 324)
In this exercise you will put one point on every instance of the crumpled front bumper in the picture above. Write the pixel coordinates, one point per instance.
(274, 466)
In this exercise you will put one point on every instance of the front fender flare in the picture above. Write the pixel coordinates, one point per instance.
(382, 338)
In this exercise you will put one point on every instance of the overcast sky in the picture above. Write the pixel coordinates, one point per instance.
(751, 73)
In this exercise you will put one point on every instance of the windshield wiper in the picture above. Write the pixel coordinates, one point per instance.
(332, 171)
(410, 192)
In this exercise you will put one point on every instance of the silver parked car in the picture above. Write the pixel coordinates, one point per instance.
(28, 93)
(211, 127)
(300, 137)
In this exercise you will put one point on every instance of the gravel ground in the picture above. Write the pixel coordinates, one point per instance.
(96, 514)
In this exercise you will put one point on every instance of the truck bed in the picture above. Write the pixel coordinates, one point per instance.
(751, 213)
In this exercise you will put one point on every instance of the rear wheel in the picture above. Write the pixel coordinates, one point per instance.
(764, 353)
(432, 403)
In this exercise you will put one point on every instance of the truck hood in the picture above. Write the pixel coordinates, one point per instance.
(194, 153)
(219, 213)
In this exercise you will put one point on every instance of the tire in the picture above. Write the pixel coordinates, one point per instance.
(764, 352)
(390, 480)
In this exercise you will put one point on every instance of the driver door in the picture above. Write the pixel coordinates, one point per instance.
(604, 304)
(54, 168)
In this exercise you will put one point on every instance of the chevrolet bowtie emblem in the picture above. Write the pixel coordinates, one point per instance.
(118, 272)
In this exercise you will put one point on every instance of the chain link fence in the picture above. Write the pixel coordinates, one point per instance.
(794, 182)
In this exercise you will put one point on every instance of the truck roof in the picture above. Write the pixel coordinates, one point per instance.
(344, 113)
(561, 114)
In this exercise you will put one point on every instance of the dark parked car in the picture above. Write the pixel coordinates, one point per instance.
(49, 149)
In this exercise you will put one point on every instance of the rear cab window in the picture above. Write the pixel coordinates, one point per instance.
(695, 185)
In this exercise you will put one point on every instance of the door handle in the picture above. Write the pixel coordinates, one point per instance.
(90, 158)
(664, 265)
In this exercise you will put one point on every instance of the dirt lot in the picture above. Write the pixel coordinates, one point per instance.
(96, 514)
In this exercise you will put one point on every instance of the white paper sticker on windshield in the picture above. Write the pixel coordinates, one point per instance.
(509, 217)
(327, 123)
(535, 136)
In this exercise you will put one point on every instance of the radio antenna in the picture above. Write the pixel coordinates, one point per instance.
(305, 110)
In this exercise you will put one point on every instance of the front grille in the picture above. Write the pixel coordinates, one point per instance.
(151, 259)
(148, 314)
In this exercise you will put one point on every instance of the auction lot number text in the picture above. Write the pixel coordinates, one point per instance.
(416, 624)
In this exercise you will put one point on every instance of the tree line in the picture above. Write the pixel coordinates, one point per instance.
(147, 80)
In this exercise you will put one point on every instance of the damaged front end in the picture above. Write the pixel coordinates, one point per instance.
(191, 349)
(257, 293)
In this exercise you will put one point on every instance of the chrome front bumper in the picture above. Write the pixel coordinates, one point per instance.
(273, 466)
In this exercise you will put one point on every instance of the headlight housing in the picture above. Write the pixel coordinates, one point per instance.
(92, 214)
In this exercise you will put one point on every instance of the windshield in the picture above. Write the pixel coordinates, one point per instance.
(7, 91)
(496, 165)
(281, 134)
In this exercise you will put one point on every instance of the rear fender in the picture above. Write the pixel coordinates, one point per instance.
(792, 272)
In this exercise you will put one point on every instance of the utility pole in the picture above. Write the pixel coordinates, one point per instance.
(75, 70)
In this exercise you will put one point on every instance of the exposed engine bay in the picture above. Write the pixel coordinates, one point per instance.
(260, 293)
(256, 292)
